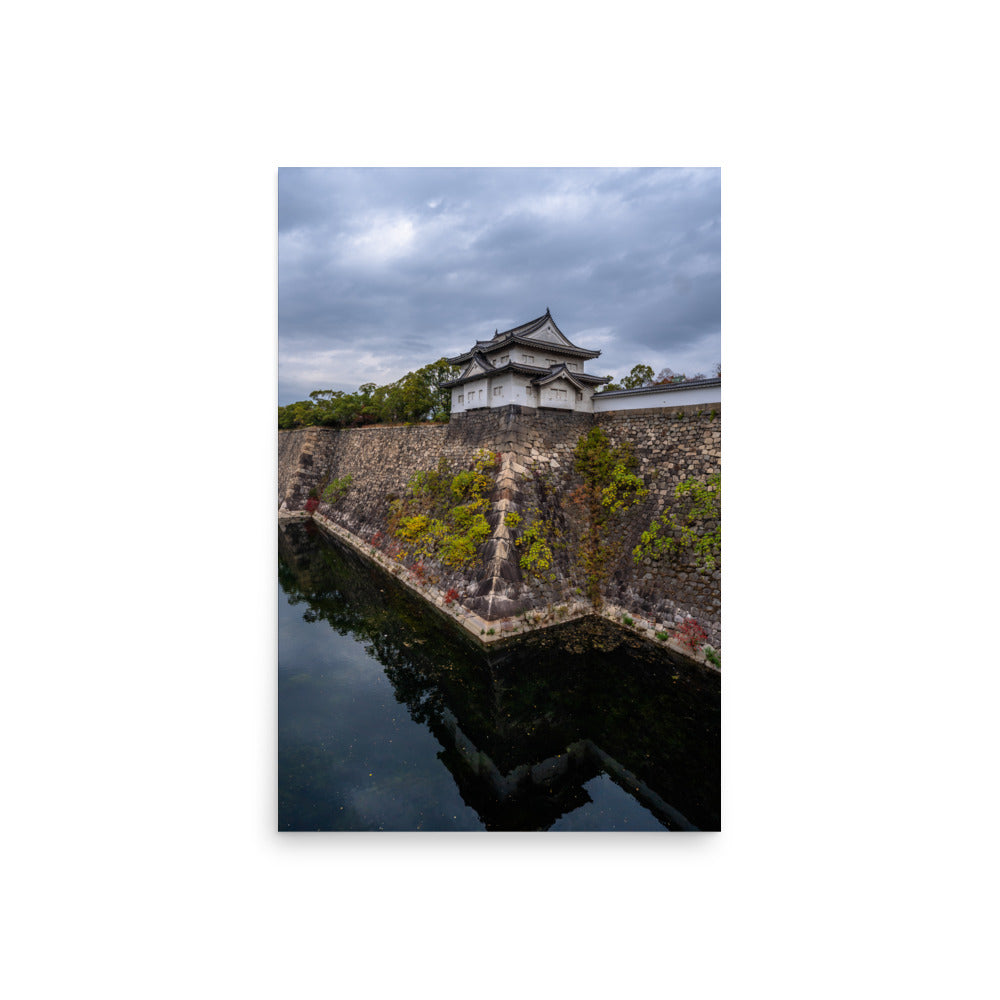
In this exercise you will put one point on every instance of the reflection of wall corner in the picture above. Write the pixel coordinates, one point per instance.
(543, 775)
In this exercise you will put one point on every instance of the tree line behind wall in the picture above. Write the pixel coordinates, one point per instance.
(642, 375)
(417, 396)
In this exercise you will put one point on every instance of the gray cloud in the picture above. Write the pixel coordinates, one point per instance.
(384, 270)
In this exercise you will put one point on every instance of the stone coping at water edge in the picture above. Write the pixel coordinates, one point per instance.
(505, 629)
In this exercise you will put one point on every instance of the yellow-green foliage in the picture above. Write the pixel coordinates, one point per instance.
(694, 522)
(410, 528)
(471, 484)
(536, 557)
(421, 533)
(443, 516)
(459, 548)
(623, 491)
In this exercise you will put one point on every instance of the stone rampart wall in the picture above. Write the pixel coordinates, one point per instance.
(538, 448)
(380, 461)
(672, 444)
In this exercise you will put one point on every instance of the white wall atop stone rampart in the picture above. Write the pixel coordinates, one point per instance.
(645, 399)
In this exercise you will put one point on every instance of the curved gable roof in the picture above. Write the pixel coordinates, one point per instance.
(555, 375)
(477, 363)
(530, 334)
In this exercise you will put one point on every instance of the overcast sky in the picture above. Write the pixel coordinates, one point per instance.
(382, 271)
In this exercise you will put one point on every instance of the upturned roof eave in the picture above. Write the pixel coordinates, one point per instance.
(519, 335)
(489, 347)
(579, 379)
(529, 327)
(498, 340)
(532, 372)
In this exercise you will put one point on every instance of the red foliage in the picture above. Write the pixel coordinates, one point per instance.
(419, 571)
(376, 538)
(311, 504)
(690, 633)
(579, 497)
(452, 595)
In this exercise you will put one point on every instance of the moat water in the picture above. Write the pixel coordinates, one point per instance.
(390, 718)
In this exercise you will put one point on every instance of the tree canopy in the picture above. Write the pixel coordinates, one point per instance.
(415, 397)
(642, 375)
(639, 376)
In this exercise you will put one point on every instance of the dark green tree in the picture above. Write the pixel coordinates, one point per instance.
(639, 376)
(417, 396)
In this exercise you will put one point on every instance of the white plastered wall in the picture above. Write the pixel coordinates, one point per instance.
(513, 389)
(561, 394)
(673, 397)
(473, 395)
(546, 333)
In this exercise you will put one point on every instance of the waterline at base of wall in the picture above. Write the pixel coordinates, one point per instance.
(504, 629)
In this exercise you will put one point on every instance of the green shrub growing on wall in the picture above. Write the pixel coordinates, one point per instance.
(610, 487)
(693, 523)
(536, 557)
(459, 546)
(433, 483)
(336, 489)
(624, 490)
(443, 515)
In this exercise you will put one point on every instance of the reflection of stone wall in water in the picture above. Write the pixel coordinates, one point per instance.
(536, 479)
(525, 726)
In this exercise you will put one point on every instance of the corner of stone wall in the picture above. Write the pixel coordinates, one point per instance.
(537, 469)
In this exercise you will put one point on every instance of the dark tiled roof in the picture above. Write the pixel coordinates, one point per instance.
(577, 378)
(536, 372)
(559, 373)
(701, 383)
(524, 328)
(520, 335)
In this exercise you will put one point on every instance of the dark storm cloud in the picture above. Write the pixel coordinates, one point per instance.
(382, 271)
